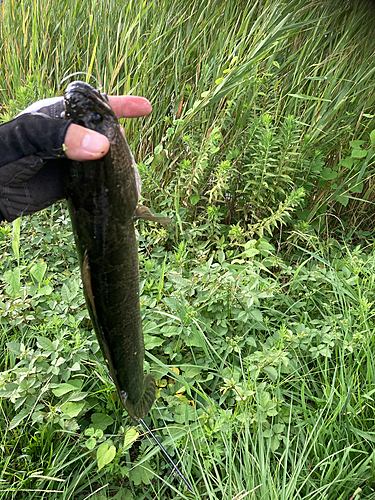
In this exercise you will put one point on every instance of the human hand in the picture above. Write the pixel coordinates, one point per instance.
(83, 144)
(36, 146)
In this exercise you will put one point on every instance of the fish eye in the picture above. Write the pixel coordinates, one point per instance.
(96, 117)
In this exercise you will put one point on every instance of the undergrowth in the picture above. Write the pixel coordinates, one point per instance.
(264, 369)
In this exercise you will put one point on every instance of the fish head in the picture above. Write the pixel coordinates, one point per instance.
(89, 108)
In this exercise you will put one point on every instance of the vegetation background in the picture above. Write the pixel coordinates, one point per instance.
(258, 300)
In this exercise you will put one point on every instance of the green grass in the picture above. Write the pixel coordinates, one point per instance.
(257, 301)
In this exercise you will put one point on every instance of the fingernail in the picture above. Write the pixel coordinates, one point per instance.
(93, 143)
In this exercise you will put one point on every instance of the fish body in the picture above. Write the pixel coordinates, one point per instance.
(102, 198)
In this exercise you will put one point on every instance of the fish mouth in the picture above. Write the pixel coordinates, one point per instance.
(86, 91)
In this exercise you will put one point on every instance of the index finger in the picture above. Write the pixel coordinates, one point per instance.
(130, 106)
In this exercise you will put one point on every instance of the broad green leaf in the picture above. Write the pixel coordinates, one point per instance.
(152, 341)
(194, 198)
(372, 137)
(130, 436)
(347, 162)
(105, 455)
(158, 149)
(356, 144)
(191, 371)
(14, 347)
(13, 278)
(172, 303)
(72, 409)
(45, 343)
(18, 418)
(45, 290)
(185, 413)
(101, 421)
(278, 428)
(123, 494)
(343, 199)
(328, 174)
(359, 153)
(250, 252)
(141, 474)
(65, 293)
(271, 372)
(63, 388)
(78, 396)
(91, 443)
(221, 256)
(38, 271)
(257, 315)
(358, 188)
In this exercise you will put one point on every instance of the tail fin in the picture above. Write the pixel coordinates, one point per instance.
(143, 406)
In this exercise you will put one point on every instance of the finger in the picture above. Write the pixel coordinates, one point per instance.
(82, 144)
(130, 106)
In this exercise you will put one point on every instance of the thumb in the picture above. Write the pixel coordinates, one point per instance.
(82, 144)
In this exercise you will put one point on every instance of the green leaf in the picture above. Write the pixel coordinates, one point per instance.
(101, 421)
(328, 174)
(140, 474)
(18, 418)
(343, 199)
(151, 341)
(278, 428)
(91, 443)
(356, 144)
(45, 343)
(271, 372)
(123, 494)
(105, 454)
(250, 252)
(63, 389)
(72, 409)
(14, 347)
(372, 137)
(130, 436)
(308, 97)
(359, 153)
(38, 271)
(194, 198)
(158, 149)
(358, 188)
(14, 280)
(185, 413)
(191, 371)
(257, 315)
(45, 290)
(347, 162)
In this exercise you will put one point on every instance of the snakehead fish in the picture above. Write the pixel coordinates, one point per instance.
(102, 198)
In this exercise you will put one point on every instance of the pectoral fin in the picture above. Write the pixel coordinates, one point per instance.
(143, 213)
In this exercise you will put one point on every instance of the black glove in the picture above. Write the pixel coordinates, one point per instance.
(32, 159)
